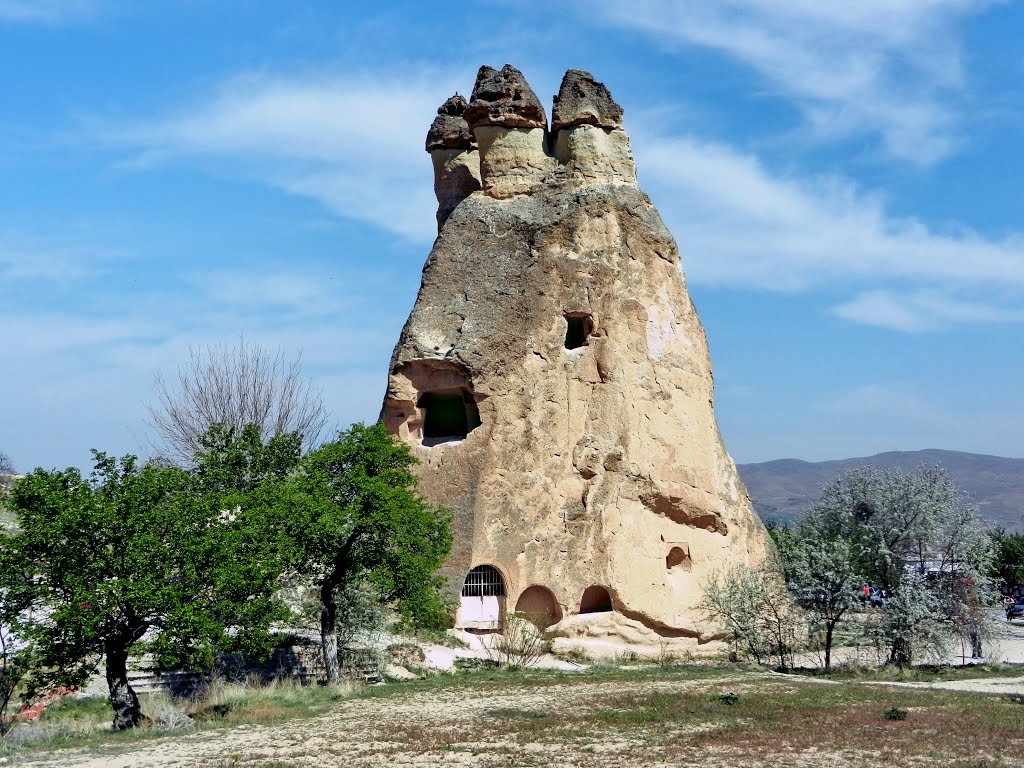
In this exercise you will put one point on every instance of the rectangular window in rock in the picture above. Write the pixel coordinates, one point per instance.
(579, 326)
(448, 415)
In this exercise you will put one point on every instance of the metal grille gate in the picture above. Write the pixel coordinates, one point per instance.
(483, 581)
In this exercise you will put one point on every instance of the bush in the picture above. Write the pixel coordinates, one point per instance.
(754, 607)
(520, 644)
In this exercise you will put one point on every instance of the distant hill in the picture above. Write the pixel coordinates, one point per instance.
(782, 490)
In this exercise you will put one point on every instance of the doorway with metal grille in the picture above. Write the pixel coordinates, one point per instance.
(482, 604)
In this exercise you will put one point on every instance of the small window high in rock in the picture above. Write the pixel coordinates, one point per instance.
(578, 328)
(679, 559)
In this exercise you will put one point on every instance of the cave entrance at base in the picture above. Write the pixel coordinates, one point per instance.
(482, 604)
(448, 415)
(596, 599)
(538, 604)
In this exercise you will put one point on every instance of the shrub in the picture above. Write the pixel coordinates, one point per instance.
(520, 644)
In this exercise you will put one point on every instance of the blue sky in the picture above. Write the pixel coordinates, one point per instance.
(843, 179)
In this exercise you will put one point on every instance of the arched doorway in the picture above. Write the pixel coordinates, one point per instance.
(538, 604)
(482, 603)
(596, 599)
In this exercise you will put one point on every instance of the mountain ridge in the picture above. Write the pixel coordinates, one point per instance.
(783, 489)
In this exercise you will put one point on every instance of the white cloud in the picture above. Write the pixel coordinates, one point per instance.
(24, 260)
(353, 143)
(297, 294)
(885, 66)
(739, 224)
(923, 311)
(46, 11)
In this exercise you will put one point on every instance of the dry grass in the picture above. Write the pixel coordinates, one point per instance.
(86, 722)
(654, 716)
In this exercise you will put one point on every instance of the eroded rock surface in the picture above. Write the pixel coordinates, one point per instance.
(503, 97)
(581, 100)
(450, 129)
(554, 380)
(453, 151)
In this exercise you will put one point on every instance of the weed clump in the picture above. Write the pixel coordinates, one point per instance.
(895, 713)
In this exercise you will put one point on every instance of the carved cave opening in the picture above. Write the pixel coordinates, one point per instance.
(539, 605)
(484, 581)
(482, 603)
(679, 559)
(578, 328)
(596, 599)
(448, 414)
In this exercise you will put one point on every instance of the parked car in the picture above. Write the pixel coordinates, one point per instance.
(1015, 611)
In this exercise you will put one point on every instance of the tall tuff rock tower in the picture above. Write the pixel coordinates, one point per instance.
(554, 379)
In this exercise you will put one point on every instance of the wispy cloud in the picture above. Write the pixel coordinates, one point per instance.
(923, 311)
(891, 67)
(43, 11)
(78, 378)
(740, 224)
(353, 143)
(22, 260)
(295, 294)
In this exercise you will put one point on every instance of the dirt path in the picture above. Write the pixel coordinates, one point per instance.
(1007, 686)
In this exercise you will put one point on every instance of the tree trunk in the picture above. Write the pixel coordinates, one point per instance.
(329, 633)
(122, 698)
(902, 653)
(829, 627)
(976, 651)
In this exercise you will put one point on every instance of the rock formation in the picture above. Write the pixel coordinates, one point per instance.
(554, 380)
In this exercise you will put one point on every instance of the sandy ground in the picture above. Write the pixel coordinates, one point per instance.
(357, 733)
(374, 732)
(361, 732)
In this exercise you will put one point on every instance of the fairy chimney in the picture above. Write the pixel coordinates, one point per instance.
(553, 379)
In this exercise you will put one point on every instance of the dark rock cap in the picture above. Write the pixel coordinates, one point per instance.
(504, 98)
(450, 129)
(583, 101)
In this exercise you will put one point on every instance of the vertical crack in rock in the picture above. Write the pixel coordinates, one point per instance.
(578, 461)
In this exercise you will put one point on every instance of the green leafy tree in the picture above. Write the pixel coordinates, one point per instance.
(351, 515)
(131, 559)
(233, 463)
(1007, 557)
(914, 535)
(13, 666)
(821, 573)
